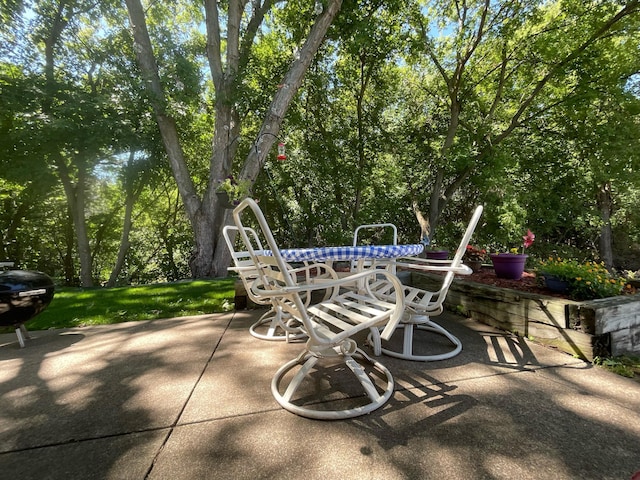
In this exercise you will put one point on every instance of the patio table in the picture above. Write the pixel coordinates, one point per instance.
(350, 252)
(403, 256)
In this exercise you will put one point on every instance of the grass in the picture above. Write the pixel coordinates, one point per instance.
(77, 307)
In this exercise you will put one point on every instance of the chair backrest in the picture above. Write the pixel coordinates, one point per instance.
(241, 258)
(243, 264)
(381, 229)
(466, 238)
(376, 227)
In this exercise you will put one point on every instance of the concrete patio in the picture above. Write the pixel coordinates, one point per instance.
(190, 398)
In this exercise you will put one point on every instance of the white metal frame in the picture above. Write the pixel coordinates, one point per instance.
(350, 308)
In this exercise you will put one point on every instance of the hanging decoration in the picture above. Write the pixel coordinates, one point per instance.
(281, 152)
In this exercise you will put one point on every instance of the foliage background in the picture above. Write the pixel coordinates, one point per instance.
(365, 138)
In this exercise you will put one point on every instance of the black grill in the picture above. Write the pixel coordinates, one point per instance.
(23, 295)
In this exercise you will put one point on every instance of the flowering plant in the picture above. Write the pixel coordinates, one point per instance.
(527, 241)
(585, 281)
(236, 190)
(475, 254)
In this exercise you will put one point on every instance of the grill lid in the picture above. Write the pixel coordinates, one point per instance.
(16, 281)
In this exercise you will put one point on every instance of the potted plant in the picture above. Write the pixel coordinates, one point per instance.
(431, 252)
(230, 191)
(511, 265)
(581, 281)
(434, 254)
(475, 257)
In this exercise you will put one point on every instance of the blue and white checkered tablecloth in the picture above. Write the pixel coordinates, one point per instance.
(349, 252)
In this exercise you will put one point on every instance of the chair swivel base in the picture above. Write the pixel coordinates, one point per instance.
(377, 395)
(275, 329)
(422, 322)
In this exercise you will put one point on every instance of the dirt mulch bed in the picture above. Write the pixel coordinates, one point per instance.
(528, 283)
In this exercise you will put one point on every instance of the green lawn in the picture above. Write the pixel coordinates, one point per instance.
(73, 307)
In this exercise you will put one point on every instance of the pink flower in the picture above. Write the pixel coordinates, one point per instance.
(528, 239)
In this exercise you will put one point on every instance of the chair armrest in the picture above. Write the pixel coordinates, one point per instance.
(248, 268)
(312, 286)
(423, 265)
(397, 315)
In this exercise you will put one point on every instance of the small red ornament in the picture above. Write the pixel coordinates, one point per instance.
(281, 153)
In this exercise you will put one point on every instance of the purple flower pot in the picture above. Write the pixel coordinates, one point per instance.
(437, 254)
(509, 265)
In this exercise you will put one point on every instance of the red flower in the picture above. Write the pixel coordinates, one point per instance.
(474, 253)
(528, 239)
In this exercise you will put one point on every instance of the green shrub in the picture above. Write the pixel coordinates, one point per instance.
(586, 281)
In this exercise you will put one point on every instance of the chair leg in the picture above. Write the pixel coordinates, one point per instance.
(377, 396)
(422, 322)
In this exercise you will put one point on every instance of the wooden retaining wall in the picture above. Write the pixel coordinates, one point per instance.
(585, 329)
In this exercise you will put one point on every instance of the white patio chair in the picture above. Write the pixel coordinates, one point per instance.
(422, 304)
(311, 385)
(272, 325)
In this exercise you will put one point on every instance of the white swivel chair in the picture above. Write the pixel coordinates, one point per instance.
(315, 382)
(422, 304)
(272, 325)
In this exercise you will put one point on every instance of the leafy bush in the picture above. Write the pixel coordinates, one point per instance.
(586, 281)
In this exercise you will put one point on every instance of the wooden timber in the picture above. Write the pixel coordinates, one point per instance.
(583, 329)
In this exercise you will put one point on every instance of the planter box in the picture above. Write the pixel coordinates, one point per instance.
(609, 326)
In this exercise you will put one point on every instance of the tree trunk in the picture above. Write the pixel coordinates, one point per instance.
(130, 199)
(67, 257)
(75, 195)
(82, 237)
(211, 256)
(605, 204)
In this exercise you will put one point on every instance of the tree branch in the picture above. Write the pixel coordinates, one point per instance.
(166, 123)
(630, 8)
(270, 128)
(213, 43)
